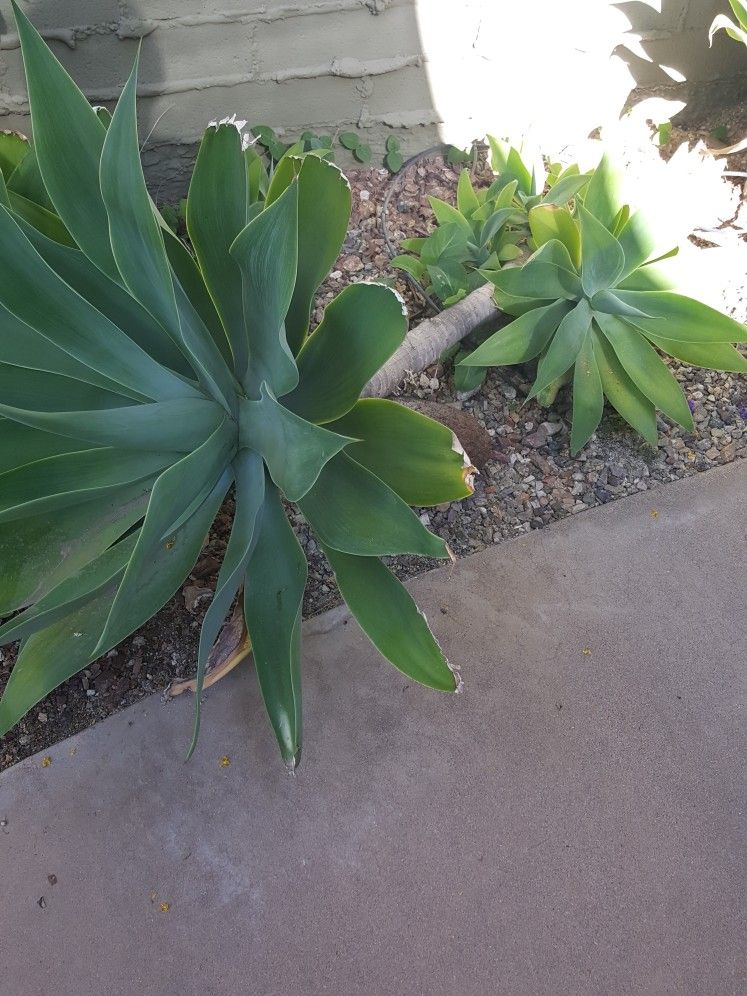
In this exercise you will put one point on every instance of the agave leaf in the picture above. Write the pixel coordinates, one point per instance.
(610, 304)
(186, 273)
(447, 214)
(205, 356)
(52, 656)
(602, 196)
(216, 213)
(324, 202)
(249, 477)
(740, 12)
(447, 244)
(40, 552)
(389, 617)
(136, 238)
(40, 218)
(410, 264)
(468, 379)
(273, 597)
(712, 355)
(622, 393)
(448, 280)
(360, 330)
(467, 200)
(71, 478)
(266, 254)
(68, 139)
(588, 397)
(652, 276)
(23, 347)
(637, 241)
(170, 425)
(564, 347)
(72, 593)
(514, 304)
(109, 298)
(602, 259)
(353, 511)
(565, 189)
(674, 316)
(14, 148)
(33, 292)
(522, 340)
(34, 445)
(508, 164)
(538, 280)
(30, 388)
(723, 23)
(499, 194)
(493, 225)
(158, 566)
(293, 449)
(27, 181)
(644, 367)
(257, 179)
(412, 454)
(547, 221)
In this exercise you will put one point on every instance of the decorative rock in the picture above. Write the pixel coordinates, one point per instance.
(551, 428)
(538, 438)
(352, 264)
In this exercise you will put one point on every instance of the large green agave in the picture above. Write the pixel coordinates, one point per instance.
(594, 307)
(139, 383)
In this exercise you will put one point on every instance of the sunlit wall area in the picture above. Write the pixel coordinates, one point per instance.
(427, 70)
(555, 71)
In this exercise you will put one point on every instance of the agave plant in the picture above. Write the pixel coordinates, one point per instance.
(488, 227)
(140, 383)
(594, 307)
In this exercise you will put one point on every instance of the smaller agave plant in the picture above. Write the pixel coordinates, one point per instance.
(488, 227)
(595, 308)
(140, 383)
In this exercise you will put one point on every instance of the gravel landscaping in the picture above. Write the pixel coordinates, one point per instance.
(527, 477)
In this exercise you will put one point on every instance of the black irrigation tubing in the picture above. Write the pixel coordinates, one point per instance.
(434, 150)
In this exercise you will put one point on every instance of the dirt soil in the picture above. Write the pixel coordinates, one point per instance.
(528, 480)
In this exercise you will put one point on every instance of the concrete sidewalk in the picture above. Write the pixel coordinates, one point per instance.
(569, 825)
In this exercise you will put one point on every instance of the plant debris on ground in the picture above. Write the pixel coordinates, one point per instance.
(528, 480)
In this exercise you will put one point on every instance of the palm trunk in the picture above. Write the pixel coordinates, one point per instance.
(427, 341)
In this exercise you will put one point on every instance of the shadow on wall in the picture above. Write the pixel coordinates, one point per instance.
(329, 66)
(423, 68)
(558, 73)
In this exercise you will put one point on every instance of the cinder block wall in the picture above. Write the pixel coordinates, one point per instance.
(332, 64)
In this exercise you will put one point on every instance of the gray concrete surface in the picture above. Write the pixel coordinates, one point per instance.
(569, 825)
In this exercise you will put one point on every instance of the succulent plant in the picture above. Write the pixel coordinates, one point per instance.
(488, 227)
(140, 383)
(595, 308)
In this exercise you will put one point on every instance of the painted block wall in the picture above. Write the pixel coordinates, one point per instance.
(428, 69)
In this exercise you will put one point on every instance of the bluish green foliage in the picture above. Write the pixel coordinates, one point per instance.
(142, 382)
